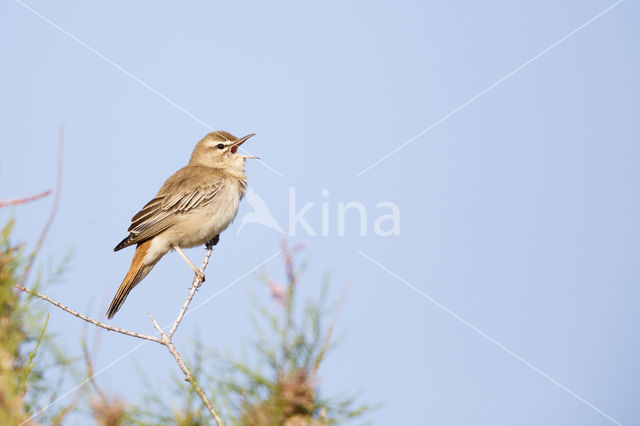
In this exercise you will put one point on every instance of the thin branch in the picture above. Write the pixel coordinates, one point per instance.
(164, 339)
(54, 209)
(16, 201)
(197, 282)
(86, 318)
(188, 376)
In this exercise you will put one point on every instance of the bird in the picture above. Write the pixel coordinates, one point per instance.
(192, 208)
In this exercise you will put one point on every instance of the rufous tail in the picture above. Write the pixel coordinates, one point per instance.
(137, 272)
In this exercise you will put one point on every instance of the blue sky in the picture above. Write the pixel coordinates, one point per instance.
(509, 295)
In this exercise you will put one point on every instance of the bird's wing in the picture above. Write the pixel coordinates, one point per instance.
(190, 188)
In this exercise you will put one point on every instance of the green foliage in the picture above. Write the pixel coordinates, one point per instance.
(13, 335)
(279, 387)
(24, 346)
(31, 362)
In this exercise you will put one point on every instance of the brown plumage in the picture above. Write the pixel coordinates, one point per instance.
(137, 271)
(191, 208)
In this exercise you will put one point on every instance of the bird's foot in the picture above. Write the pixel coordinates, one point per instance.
(213, 242)
(201, 278)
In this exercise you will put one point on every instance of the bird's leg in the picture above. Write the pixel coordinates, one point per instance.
(184, 256)
(213, 242)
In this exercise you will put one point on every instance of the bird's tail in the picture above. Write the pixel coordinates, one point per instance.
(137, 272)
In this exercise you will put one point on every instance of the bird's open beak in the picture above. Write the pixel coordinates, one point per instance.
(234, 147)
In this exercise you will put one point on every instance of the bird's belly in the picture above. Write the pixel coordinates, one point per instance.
(201, 226)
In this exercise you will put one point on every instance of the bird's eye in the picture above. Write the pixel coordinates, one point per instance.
(220, 146)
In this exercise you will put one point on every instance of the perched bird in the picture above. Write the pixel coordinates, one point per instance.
(192, 208)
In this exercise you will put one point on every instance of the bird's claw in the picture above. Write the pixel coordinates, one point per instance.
(201, 278)
(213, 242)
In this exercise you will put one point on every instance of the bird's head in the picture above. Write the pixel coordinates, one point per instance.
(220, 149)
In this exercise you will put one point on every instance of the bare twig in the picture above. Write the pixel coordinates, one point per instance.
(16, 201)
(188, 376)
(86, 318)
(164, 339)
(197, 281)
(54, 209)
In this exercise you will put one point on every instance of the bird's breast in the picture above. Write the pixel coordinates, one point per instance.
(202, 224)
